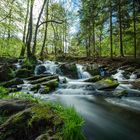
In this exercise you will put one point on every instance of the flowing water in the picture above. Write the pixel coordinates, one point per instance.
(105, 119)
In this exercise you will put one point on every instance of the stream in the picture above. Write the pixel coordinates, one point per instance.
(105, 118)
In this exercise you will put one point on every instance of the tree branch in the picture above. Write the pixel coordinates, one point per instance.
(58, 22)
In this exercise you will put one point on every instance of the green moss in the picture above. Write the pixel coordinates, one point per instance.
(94, 79)
(47, 89)
(23, 73)
(3, 92)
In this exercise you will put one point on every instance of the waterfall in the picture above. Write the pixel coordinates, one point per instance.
(48, 67)
(82, 74)
(119, 75)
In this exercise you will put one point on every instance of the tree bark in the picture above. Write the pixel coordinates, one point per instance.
(120, 29)
(46, 29)
(36, 29)
(24, 32)
(111, 47)
(134, 26)
(30, 30)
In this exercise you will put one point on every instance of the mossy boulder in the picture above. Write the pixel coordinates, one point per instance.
(12, 82)
(120, 93)
(69, 70)
(40, 69)
(93, 79)
(93, 69)
(106, 84)
(23, 73)
(30, 123)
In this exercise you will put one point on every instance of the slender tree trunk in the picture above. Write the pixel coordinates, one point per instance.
(36, 29)
(111, 47)
(101, 44)
(120, 28)
(134, 20)
(24, 32)
(94, 49)
(30, 30)
(46, 29)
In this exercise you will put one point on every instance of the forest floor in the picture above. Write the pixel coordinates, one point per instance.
(115, 62)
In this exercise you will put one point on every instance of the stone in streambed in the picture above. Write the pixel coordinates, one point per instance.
(106, 84)
(69, 70)
(93, 79)
(136, 83)
(40, 69)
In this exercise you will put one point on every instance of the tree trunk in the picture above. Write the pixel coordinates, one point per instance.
(120, 28)
(46, 29)
(24, 32)
(134, 20)
(111, 48)
(30, 30)
(36, 29)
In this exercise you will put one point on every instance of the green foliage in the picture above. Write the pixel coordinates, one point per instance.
(24, 96)
(3, 92)
(47, 89)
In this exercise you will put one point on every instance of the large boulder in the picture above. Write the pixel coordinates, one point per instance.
(40, 69)
(5, 72)
(93, 69)
(69, 70)
(106, 84)
(31, 123)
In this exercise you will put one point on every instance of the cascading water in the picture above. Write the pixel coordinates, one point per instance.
(98, 113)
(82, 73)
(119, 75)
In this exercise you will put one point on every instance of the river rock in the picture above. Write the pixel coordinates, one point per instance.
(137, 72)
(136, 83)
(93, 69)
(69, 70)
(106, 84)
(93, 79)
(40, 69)
(31, 123)
(5, 72)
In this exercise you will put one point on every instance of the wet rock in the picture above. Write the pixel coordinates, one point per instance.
(137, 72)
(106, 84)
(23, 73)
(93, 79)
(31, 123)
(93, 69)
(69, 70)
(44, 90)
(40, 69)
(120, 93)
(136, 83)
(35, 87)
(12, 82)
(5, 72)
